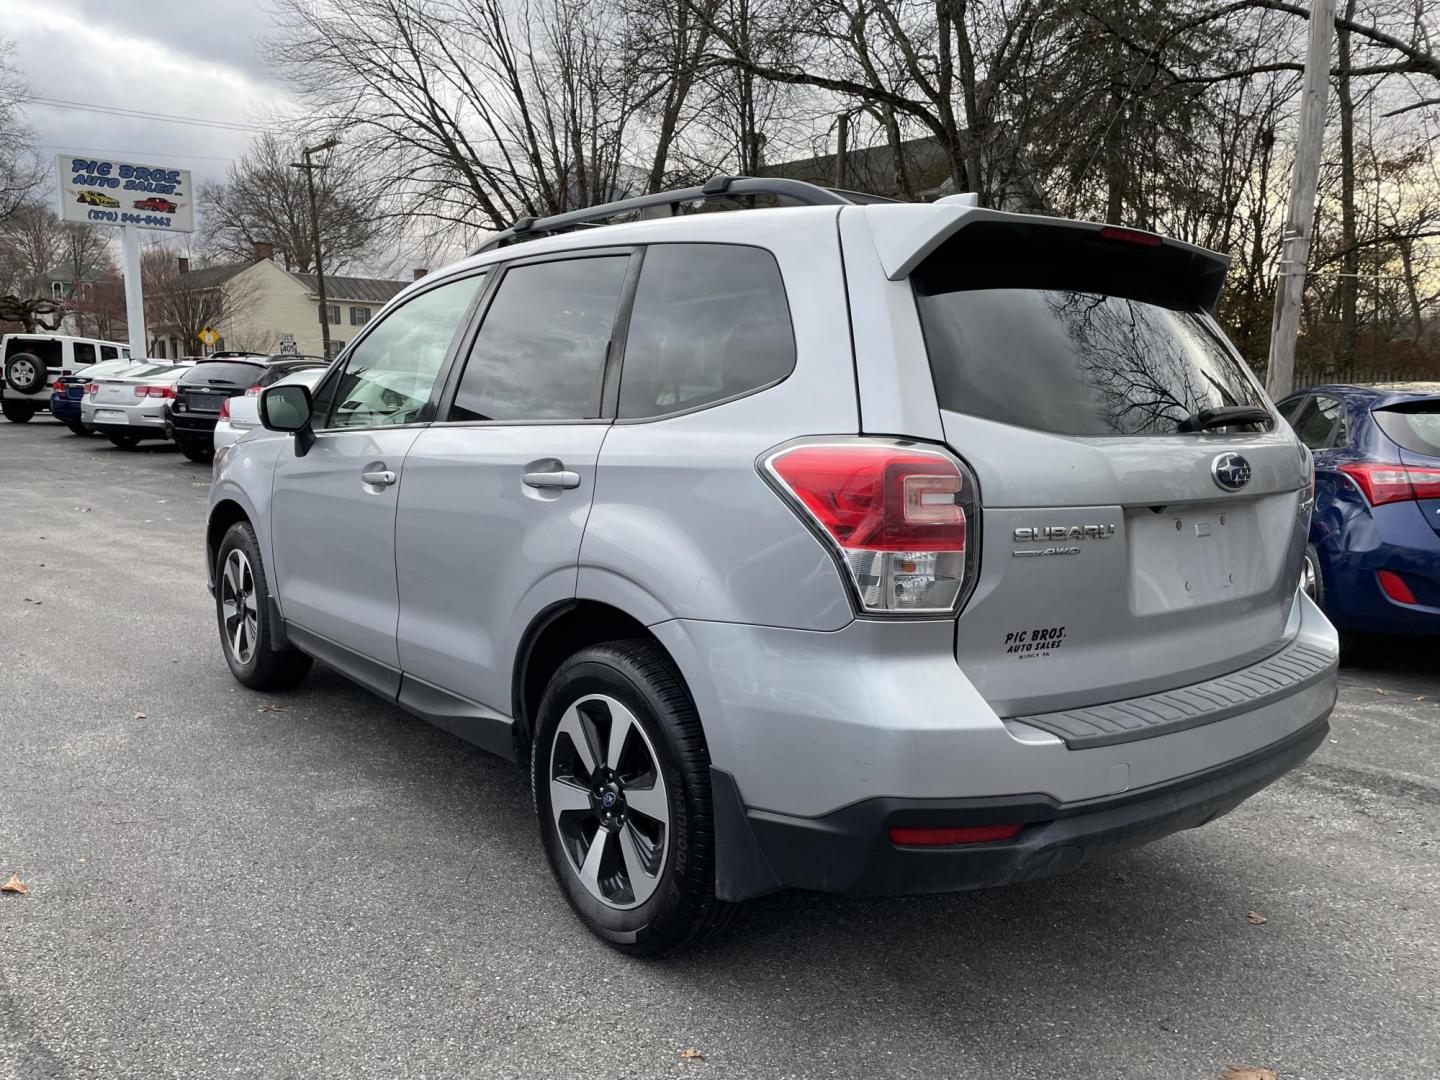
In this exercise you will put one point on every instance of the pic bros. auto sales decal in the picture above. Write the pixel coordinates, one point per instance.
(100, 191)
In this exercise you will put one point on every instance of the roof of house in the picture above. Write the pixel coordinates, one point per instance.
(370, 290)
(366, 290)
(208, 277)
(872, 168)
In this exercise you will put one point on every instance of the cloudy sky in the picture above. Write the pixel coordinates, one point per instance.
(192, 58)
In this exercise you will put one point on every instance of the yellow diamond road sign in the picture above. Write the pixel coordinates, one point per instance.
(209, 336)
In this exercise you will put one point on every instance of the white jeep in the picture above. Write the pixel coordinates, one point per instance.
(33, 361)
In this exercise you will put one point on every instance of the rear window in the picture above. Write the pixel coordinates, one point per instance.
(223, 371)
(1077, 363)
(1414, 425)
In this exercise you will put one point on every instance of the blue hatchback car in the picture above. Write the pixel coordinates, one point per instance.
(1373, 563)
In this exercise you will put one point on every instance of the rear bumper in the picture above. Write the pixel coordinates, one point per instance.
(186, 427)
(64, 408)
(139, 431)
(850, 850)
(1395, 537)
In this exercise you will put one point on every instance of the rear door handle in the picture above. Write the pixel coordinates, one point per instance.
(378, 477)
(559, 478)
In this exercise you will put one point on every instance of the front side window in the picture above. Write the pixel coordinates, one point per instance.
(540, 353)
(710, 322)
(388, 377)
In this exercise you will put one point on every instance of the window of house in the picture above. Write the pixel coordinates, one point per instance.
(332, 313)
(710, 322)
(334, 349)
(359, 316)
(541, 351)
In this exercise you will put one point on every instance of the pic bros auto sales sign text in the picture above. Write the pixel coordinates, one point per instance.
(105, 192)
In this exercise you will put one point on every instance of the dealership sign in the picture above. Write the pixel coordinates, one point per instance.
(100, 191)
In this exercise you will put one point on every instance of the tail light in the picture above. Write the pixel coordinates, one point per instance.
(58, 386)
(1382, 483)
(1130, 236)
(225, 409)
(155, 391)
(92, 388)
(254, 391)
(902, 520)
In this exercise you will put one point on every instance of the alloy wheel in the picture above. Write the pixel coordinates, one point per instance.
(1307, 577)
(240, 614)
(22, 371)
(609, 801)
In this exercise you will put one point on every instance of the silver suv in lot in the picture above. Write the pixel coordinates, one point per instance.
(846, 546)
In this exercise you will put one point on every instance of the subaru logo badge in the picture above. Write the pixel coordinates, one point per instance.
(1231, 471)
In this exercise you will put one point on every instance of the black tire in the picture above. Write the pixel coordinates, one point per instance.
(26, 373)
(201, 455)
(17, 412)
(265, 666)
(124, 442)
(77, 427)
(682, 909)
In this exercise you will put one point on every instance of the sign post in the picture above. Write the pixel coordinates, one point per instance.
(134, 294)
(103, 191)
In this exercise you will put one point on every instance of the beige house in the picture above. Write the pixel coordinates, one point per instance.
(264, 303)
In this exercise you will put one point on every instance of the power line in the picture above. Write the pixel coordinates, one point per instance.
(148, 155)
(138, 114)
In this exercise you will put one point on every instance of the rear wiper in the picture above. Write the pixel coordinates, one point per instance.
(1225, 416)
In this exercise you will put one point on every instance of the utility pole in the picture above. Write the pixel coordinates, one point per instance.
(309, 167)
(1299, 222)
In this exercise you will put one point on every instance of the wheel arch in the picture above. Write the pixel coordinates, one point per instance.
(223, 514)
(554, 635)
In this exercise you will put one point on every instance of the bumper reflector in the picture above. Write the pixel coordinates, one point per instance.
(970, 834)
(1395, 587)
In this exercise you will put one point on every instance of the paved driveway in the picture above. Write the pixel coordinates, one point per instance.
(316, 885)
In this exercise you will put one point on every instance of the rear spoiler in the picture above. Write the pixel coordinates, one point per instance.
(992, 248)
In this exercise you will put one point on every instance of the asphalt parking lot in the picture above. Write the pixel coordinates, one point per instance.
(314, 884)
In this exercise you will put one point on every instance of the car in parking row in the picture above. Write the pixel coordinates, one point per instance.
(201, 395)
(128, 407)
(1372, 562)
(31, 363)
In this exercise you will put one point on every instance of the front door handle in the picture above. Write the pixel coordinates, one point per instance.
(558, 478)
(378, 477)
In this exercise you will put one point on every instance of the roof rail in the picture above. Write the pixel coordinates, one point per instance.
(717, 187)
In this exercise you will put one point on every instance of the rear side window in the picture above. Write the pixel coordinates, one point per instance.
(110, 352)
(1321, 424)
(1414, 425)
(1079, 354)
(710, 322)
(84, 354)
(540, 354)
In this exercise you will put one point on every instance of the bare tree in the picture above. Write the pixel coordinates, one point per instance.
(264, 200)
(182, 304)
(473, 112)
(21, 170)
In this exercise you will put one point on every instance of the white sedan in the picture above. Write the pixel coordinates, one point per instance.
(129, 406)
(241, 414)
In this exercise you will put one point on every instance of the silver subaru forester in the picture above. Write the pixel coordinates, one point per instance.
(863, 547)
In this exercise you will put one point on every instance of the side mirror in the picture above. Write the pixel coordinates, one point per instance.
(288, 408)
